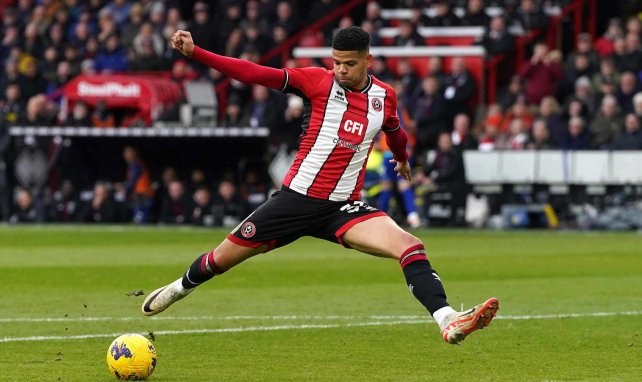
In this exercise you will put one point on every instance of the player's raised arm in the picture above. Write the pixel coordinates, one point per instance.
(241, 70)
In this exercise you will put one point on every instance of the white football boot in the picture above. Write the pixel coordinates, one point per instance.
(461, 324)
(163, 297)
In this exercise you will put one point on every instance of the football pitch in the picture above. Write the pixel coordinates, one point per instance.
(571, 308)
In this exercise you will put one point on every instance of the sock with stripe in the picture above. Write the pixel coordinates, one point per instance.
(201, 270)
(422, 280)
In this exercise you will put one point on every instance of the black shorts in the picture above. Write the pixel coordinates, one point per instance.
(288, 215)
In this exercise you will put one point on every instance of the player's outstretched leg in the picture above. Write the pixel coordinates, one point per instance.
(380, 236)
(206, 266)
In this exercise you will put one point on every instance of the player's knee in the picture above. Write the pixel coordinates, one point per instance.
(405, 243)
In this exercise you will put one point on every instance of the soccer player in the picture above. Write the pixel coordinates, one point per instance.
(344, 110)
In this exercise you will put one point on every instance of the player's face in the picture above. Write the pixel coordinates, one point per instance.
(351, 68)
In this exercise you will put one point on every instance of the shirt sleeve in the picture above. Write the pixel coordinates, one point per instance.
(303, 81)
(391, 119)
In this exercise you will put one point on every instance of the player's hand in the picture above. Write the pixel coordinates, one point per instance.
(182, 41)
(402, 169)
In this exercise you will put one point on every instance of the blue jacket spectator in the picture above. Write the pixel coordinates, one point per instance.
(113, 58)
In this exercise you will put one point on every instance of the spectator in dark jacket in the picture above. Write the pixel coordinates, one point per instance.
(176, 208)
(496, 39)
(202, 213)
(475, 14)
(460, 88)
(540, 137)
(102, 208)
(228, 207)
(530, 16)
(430, 114)
(462, 137)
(446, 174)
(27, 209)
(626, 91)
(408, 35)
(577, 137)
(631, 138)
(444, 16)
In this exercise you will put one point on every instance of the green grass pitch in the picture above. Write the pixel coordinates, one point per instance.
(571, 308)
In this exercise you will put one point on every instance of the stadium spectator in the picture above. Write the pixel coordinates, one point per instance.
(132, 27)
(27, 210)
(32, 82)
(201, 28)
(101, 116)
(147, 59)
(39, 112)
(65, 203)
(408, 78)
(605, 44)
(12, 109)
(120, 10)
(541, 74)
(264, 109)
(584, 47)
(10, 39)
(462, 137)
(460, 88)
(253, 191)
(31, 43)
(517, 137)
(233, 113)
(446, 173)
(373, 15)
(632, 55)
(540, 136)
(513, 93)
(430, 114)
(147, 37)
(202, 212)
(530, 16)
(637, 104)
(608, 76)
(380, 69)
(444, 16)
(177, 207)
(606, 124)
(138, 186)
(101, 208)
(625, 92)
(79, 116)
(113, 58)
(631, 137)
(475, 14)
(492, 138)
(408, 35)
(577, 136)
(291, 128)
(496, 38)
(286, 18)
(436, 69)
(519, 112)
(581, 68)
(549, 111)
(228, 207)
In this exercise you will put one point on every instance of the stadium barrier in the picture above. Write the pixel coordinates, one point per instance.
(586, 168)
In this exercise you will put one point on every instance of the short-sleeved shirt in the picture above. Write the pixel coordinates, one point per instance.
(338, 132)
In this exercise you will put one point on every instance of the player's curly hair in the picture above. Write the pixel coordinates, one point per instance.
(351, 38)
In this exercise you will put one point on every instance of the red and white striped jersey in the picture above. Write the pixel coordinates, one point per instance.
(338, 132)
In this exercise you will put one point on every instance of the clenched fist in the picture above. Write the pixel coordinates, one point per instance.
(182, 41)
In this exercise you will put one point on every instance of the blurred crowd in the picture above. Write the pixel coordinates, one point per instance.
(586, 98)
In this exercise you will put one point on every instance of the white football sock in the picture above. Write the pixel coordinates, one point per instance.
(441, 314)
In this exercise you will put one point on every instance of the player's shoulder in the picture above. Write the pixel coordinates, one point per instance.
(389, 89)
(311, 70)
